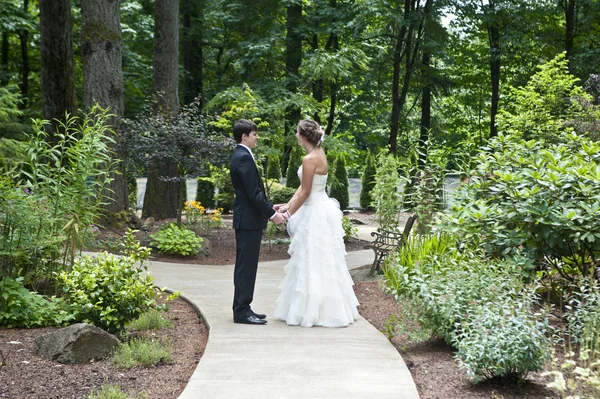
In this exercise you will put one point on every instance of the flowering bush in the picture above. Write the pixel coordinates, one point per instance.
(198, 216)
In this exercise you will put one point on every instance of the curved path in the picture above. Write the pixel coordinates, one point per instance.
(278, 361)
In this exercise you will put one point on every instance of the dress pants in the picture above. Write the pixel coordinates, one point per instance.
(244, 274)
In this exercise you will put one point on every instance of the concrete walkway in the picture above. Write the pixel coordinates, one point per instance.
(276, 360)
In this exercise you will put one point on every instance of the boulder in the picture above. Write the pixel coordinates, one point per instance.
(78, 343)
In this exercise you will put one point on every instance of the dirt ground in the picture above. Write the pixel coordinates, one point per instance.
(430, 362)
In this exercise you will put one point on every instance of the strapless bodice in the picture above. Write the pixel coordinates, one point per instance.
(319, 186)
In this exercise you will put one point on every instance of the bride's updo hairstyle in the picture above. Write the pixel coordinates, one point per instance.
(312, 131)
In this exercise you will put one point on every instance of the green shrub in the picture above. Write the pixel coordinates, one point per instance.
(291, 177)
(368, 183)
(274, 168)
(30, 234)
(175, 240)
(350, 230)
(20, 307)
(226, 195)
(388, 193)
(280, 194)
(479, 306)
(502, 339)
(12, 152)
(142, 352)
(109, 291)
(583, 314)
(340, 183)
(525, 196)
(205, 192)
(72, 174)
(153, 319)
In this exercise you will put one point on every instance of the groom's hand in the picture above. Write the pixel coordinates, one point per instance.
(278, 218)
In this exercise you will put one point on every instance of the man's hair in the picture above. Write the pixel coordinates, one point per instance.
(241, 127)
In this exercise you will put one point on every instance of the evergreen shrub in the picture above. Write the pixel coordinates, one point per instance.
(340, 183)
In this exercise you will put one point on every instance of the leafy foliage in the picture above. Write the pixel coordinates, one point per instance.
(186, 140)
(480, 306)
(388, 194)
(205, 191)
(72, 174)
(176, 240)
(350, 230)
(542, 109)
(274, 168)
(20, 307)
(368, 183)
(30, 240)
(523, 197)
(340, 183)
(110, 291)
(226, 195)
(291, 177)
(280, 194)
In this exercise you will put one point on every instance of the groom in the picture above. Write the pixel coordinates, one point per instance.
(251, 210)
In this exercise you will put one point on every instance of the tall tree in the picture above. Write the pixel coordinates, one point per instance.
(569, 6)
(407, 37)
(193, 56)
(24, 39)
(425, 125)
(163, 188)
(293, 60)
(102, 48)
(57, 65)
(5, 47)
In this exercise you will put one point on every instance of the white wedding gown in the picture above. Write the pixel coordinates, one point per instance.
(317, 288)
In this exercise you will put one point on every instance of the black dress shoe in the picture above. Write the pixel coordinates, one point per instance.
(251, 319)
(260, 315)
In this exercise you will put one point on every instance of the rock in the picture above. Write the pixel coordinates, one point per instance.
(206, 248)
(134, 221)
(356, 221)
(148, 224)
(78, 343)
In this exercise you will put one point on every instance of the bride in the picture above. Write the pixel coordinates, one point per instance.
(317, 288)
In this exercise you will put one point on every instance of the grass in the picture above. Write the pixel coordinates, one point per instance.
(142, 352)
(151, 320)
(113, 392)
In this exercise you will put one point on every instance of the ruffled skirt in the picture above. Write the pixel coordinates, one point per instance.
(317, 288)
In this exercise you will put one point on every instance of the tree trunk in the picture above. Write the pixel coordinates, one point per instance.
(193, 58)
(318, 85)
(570, 28)
(333, 44)
(165, 73)
(426, 94)
(494, 37)
(102, 48)
(24, 38)
(56, 48)
(425, 113)
(164, 183)
(4, 59)
(399, 52)
(293, 59)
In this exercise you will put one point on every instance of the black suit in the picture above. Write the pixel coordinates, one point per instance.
(251, 212)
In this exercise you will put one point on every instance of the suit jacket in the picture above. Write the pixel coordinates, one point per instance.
(251, 210)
